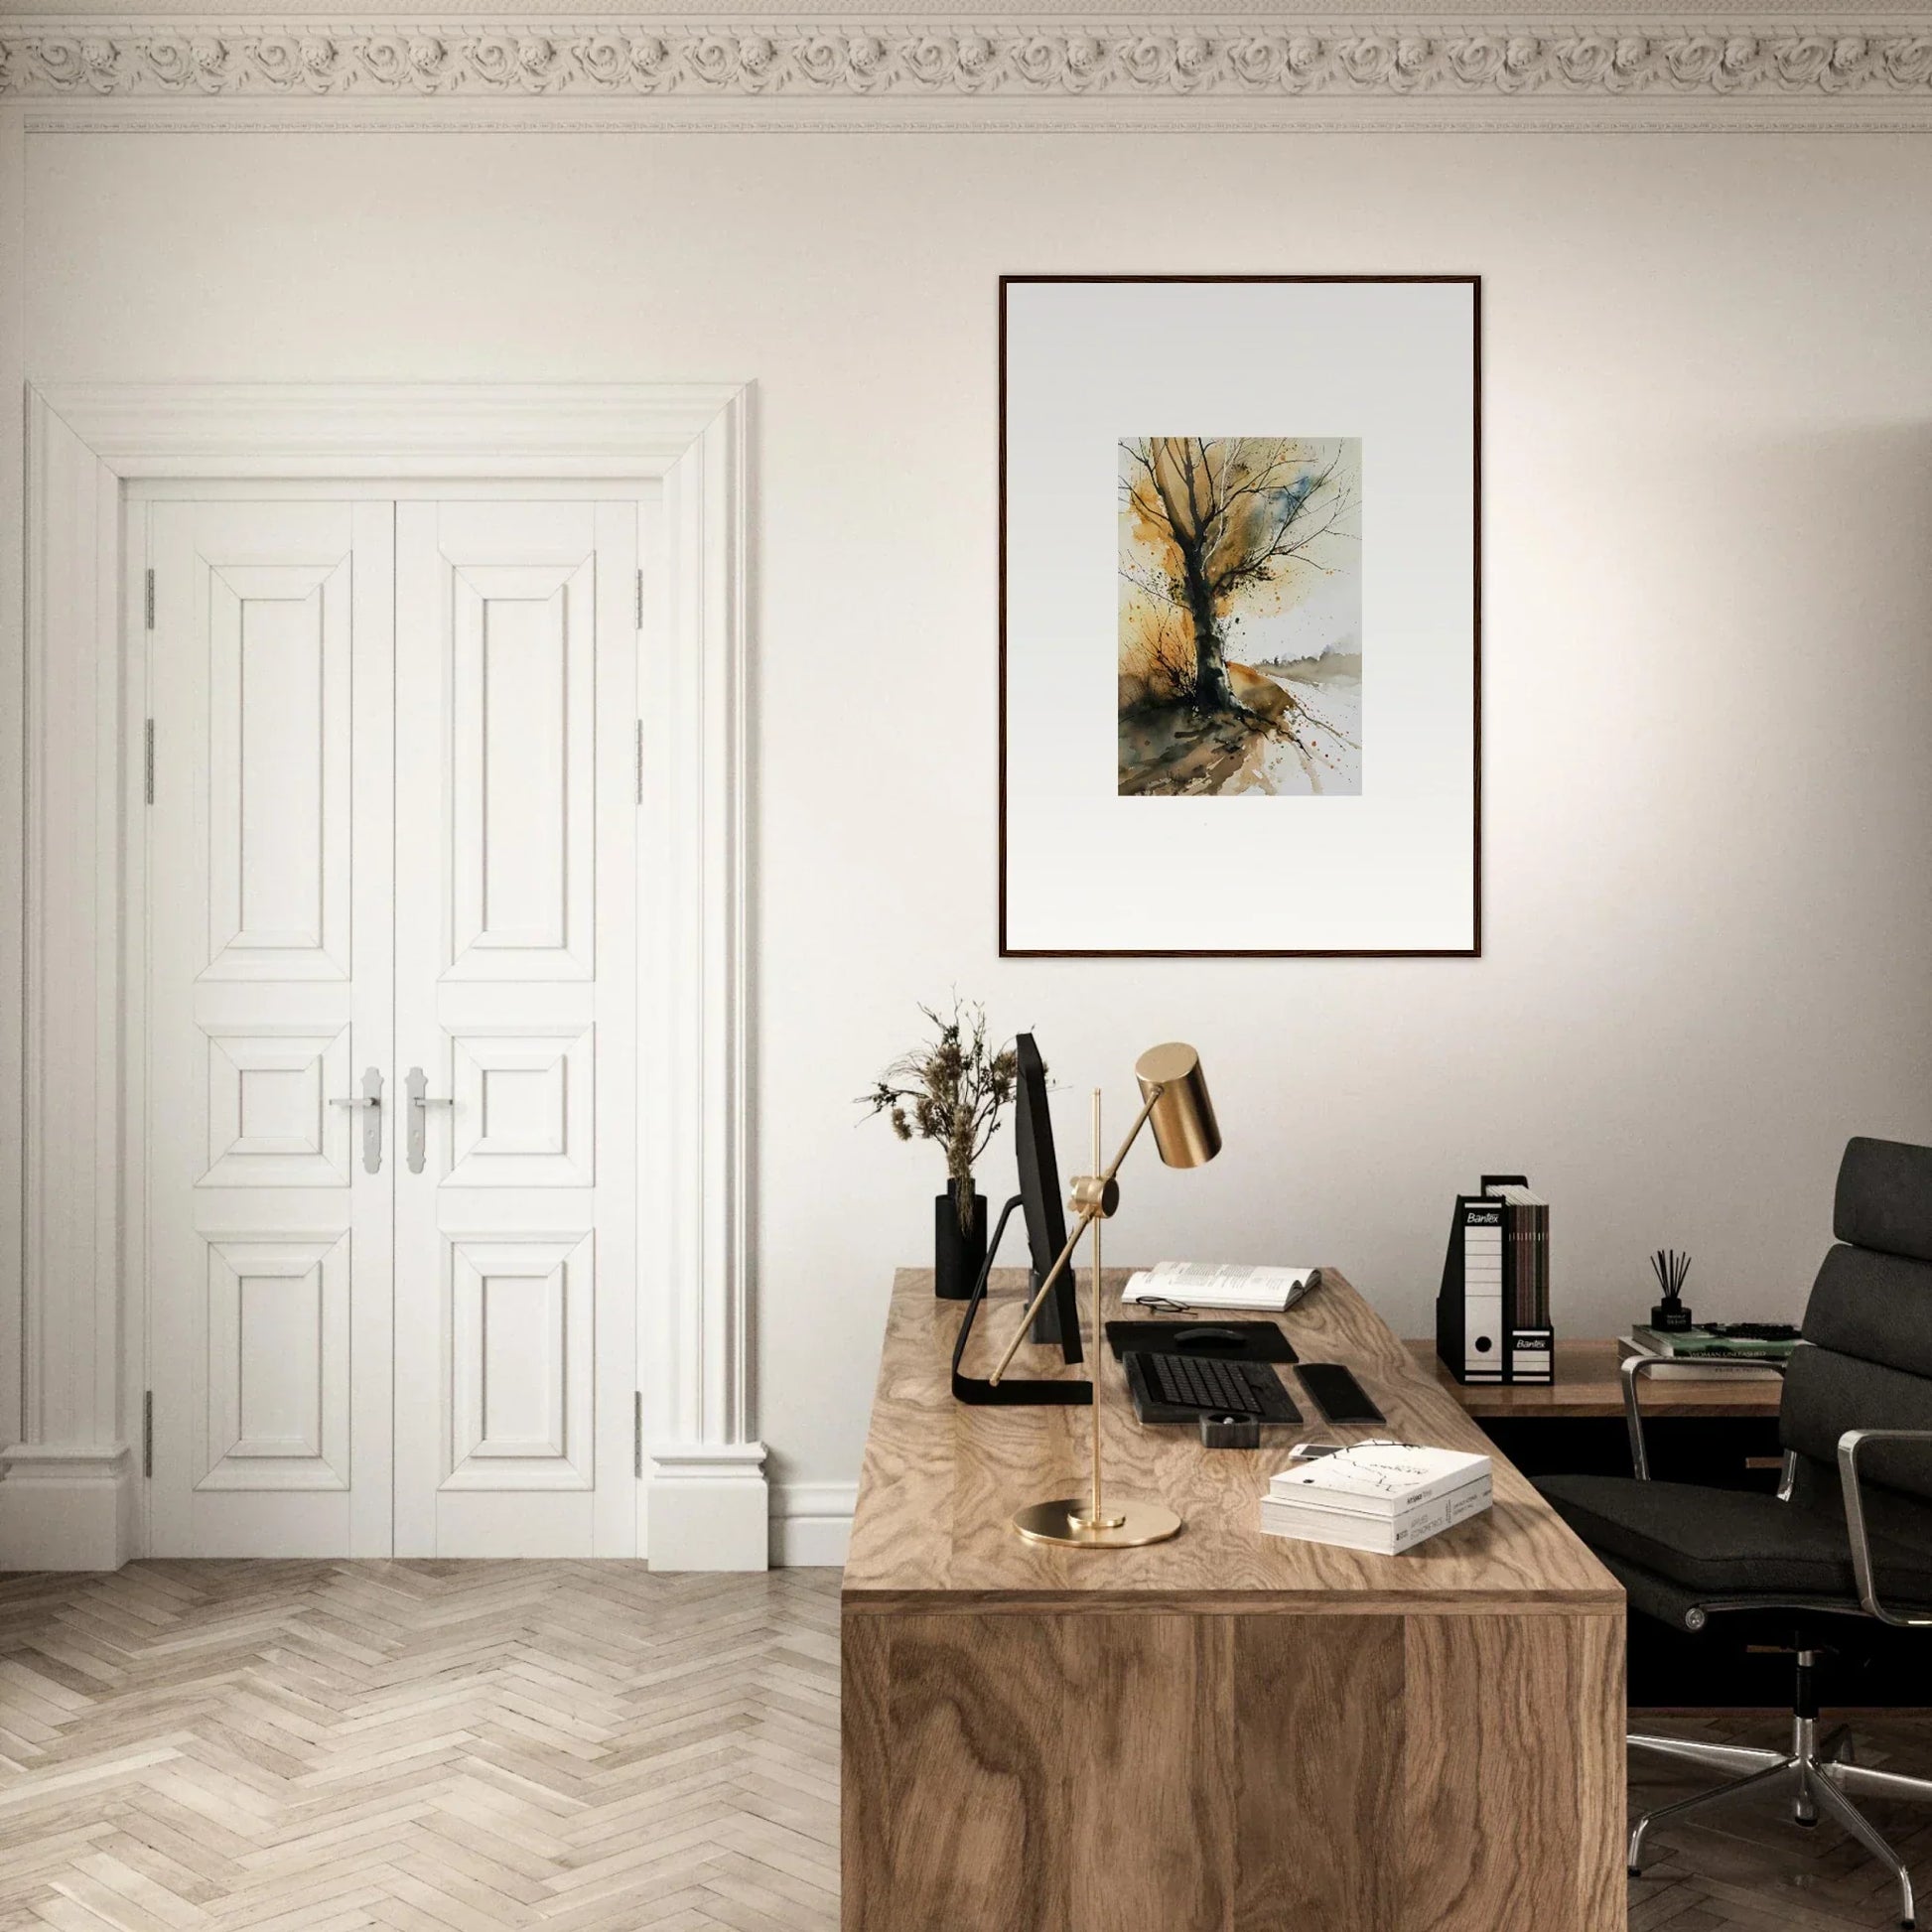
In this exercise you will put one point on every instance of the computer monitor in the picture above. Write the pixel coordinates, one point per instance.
(1038, 1201)
(1040, 1196)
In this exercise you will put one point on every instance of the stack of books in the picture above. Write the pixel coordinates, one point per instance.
(1386, 1497)
(1683, 1352)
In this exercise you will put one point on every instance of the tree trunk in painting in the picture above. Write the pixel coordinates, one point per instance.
(1211, 689)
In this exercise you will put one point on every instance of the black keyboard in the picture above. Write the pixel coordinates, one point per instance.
(1199, 1386)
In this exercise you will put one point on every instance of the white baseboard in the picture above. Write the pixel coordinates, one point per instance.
(75, 1508)
(811, 1524)
(65, 1507)
(709, 1507)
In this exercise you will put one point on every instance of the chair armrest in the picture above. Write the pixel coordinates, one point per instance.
(1635, 1367)
(1849, 1445)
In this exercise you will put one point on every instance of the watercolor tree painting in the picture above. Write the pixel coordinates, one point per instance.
(1240, 644)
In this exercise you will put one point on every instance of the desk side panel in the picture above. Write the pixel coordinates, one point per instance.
(956, 1775)
(1153, 1793)
(1318, 1722)
(865, 1773)
(1514, 1774)
(1113, 1772)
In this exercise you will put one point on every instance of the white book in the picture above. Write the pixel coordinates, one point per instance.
(1387, 1536)
(1378, 1479)
(1221, 1285)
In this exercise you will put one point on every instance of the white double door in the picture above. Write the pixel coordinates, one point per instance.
(391, 1037)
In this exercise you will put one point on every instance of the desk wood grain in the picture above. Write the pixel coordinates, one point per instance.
(1229, 1733)
(940, 1480)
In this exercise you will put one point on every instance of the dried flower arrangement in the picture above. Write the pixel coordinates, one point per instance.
(952, 1091)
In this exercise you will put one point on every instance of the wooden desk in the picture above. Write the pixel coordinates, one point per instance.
(1587, 1385)
(1227, 1733)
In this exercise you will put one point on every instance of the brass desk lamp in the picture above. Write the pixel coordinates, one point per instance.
(1174, 1102)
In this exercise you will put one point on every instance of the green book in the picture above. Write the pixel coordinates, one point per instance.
(1701, 1342)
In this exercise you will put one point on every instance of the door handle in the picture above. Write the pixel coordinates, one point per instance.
(421, 1100)
(370, 1101)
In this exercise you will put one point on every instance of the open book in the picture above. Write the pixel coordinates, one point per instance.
(1218, 1285)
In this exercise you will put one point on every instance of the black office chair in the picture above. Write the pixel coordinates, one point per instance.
(1848, 1536)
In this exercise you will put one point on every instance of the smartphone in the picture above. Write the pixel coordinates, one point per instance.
(1336, 1393)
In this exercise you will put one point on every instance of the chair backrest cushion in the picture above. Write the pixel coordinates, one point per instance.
(1867, 1328)
(1885, 1198)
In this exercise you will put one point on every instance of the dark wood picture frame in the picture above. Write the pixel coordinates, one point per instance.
(1474, 949)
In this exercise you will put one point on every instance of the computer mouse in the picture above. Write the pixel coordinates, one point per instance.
(1207, 1338)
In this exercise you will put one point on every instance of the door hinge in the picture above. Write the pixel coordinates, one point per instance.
(641, 761)
(147, 1433)
(637, 1433)
(641, 600)
(150, 600)
(147, 762)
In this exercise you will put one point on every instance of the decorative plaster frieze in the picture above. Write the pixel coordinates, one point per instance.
(1177, 60)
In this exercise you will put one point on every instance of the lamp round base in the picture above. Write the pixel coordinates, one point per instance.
(1055, 1522)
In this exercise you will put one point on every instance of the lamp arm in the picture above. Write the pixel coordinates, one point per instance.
(1088, 1215)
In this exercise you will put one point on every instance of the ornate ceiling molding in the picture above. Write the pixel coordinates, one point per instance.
(1832, 72)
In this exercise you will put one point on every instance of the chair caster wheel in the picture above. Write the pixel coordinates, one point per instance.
(1810, 1823)
(1634, 1872)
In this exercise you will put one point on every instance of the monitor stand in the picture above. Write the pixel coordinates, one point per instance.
(1011, 1389)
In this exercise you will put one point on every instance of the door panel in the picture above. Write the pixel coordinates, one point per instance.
(515, 992)
(523, 820)
(278, 1365)
(524, 1113)
(521, 1330)
(269, 994)
(279, 745)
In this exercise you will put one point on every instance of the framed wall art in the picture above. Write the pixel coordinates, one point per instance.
(1240, 615)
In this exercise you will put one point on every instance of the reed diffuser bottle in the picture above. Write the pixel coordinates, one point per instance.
(1670, 1315)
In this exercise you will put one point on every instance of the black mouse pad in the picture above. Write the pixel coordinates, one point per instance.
(1236, 1341)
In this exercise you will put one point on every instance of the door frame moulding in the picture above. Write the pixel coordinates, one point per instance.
(70, 1494)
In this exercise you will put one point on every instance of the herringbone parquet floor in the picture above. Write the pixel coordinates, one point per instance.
(461, 1747)
(432, 1746)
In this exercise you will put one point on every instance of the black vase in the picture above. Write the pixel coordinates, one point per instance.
(957, 1255)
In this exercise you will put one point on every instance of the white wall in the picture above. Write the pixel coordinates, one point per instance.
(1707, 642)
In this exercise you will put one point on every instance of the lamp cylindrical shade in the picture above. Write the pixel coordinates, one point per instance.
(1185, 1128)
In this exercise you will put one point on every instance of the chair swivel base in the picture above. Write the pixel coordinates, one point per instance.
(1820, 1774)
